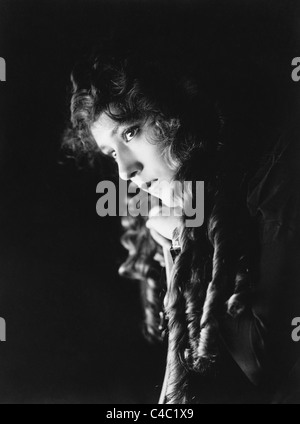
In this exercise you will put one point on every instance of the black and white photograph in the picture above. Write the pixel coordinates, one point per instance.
(150, 204)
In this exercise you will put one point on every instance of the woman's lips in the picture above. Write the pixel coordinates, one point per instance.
(144, 185)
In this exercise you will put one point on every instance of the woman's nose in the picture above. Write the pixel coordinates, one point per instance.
(129, 167)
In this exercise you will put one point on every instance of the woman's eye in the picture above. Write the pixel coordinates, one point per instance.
(131, 133)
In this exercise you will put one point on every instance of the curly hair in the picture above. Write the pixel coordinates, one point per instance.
(213, 274)
(142, 266)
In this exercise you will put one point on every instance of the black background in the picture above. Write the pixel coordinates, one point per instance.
(73, 326)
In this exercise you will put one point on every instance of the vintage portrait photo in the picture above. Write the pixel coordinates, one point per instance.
(150, 204)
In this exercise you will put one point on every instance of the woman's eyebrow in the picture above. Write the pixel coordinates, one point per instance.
(124, 125)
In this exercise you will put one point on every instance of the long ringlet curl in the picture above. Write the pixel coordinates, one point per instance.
(183, 305)
(141, 266)
(210, 278)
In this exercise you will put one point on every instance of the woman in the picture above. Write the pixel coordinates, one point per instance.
(232, 288)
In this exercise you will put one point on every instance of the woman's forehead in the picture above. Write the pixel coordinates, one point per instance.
(104, 130)
(105, 123)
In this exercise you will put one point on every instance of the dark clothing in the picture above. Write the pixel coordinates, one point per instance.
(260, 341)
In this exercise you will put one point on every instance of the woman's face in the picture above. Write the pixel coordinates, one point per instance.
(138, 156)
